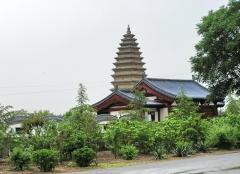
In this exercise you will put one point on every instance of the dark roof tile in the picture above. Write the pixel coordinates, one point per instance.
(173, 87)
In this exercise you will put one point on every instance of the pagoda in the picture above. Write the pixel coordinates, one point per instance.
(129, 68)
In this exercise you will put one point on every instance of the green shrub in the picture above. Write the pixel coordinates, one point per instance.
(20, 158)
(223, 137)
(159, 152)
(84, 156)
(225, 141)
(74, 141)
(46, 159)
(144, 137)
(128, 152)
(183, 149)
(120, 133)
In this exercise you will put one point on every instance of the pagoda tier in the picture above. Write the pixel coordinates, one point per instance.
(128, 70)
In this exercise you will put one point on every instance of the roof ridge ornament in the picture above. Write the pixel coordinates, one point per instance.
(128, 30)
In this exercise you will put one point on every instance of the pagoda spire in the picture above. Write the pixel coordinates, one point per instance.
(128, 30)
(128, 70)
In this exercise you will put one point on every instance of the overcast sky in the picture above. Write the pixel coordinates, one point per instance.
(47, 47)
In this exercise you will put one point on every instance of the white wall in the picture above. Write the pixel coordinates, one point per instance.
(163, 113)
(156, 116)
(118, 114)
(13, 127)
(151, 98)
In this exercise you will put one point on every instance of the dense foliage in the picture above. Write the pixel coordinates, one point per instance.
(78, 137)
(128, 152)
(80, 129)
(233, 105)
(84, 156)
(20, 158)
(224, 132)
(217, 60)
(45, 159)
(183, 133)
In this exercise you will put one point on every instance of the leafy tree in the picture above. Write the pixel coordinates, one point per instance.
(185, 107)
(82, 97)
(5, 114)
(79, 129)
(233, 106)
(35, 122)
(217, 60)
(136, 107)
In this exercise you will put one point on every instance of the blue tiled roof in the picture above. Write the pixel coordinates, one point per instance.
(127, 94)
(173, 87)
(20, 118)
(131, 96)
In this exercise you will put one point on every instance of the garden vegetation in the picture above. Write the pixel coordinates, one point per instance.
(78, 137)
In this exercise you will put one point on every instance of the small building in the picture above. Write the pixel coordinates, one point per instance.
(161, 93)
(15, 125)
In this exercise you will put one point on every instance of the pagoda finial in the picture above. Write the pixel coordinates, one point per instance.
(128, 30)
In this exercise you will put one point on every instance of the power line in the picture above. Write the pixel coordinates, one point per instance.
(37, 92)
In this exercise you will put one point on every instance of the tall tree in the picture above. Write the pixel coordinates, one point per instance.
(82, 97)
(217, 61)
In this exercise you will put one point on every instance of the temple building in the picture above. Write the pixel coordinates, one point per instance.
(160, 93)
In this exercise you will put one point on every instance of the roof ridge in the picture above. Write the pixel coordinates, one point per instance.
(162, 90)
(168, 79)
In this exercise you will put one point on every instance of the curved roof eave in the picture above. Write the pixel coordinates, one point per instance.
(156, 88)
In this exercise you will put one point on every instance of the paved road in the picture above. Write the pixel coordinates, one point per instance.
(206, 164)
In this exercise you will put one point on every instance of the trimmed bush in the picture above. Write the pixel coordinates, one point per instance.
(84, 156)
(20, 158)
(46, 159)
(183, 149)
(128, 152)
